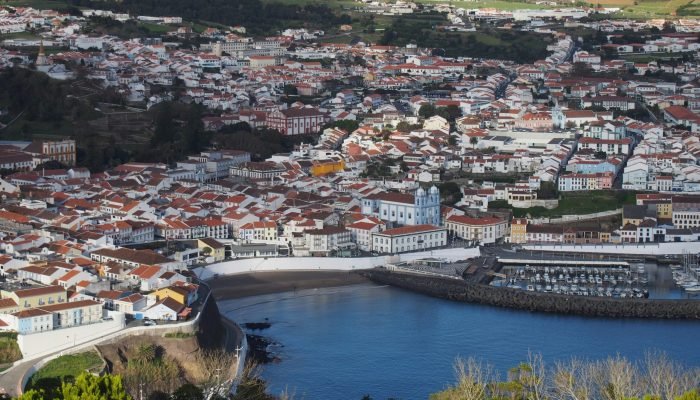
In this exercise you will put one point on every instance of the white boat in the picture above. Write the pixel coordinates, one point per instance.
(693, 289)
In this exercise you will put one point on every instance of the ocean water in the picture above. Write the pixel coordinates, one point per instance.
(344, 343)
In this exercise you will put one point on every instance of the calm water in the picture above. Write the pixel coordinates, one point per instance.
(343, 343)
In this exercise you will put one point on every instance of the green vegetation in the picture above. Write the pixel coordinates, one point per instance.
(85, 387)
(151, 365)
(497, 4)
(575, 203)
(615, 378)
(179, 335)
(66, 368)
(258, 17)
(38, 4)
(487, 42)
(9, 350)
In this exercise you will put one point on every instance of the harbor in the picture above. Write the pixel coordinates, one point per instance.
(687, 274)
(604, 279)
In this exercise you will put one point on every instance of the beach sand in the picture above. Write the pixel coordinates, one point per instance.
(258, 283)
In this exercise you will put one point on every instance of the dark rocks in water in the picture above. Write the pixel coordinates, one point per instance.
(257, 325)
(259, 349)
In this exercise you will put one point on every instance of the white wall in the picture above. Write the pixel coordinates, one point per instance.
(326, 263)
(58, 339)
(652, 249)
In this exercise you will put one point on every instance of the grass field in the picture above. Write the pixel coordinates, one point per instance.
(64, 367)
(576, 203)
(9, 350)
(38, 4)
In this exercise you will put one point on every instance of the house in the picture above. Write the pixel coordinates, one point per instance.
(409, 238)
(258, 231)
(166, 309)
(297, 121)
(679, 115)
(185, 295)
(36, 296)
(362, 231)
(576, 182)
(212, 248)
(484, 230)
(323, 242)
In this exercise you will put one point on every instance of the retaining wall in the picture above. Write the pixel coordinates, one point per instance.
(327, 263)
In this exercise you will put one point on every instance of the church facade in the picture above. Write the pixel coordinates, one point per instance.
(421, 208)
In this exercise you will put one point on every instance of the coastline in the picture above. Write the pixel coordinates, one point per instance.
(228, 287)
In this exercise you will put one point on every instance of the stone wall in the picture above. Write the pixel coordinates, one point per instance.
(459, 290)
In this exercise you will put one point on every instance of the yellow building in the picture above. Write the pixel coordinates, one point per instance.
(321, 168)
(518, 230)
(212, 248)
(179, 294)
(36, 296)
(664, 210)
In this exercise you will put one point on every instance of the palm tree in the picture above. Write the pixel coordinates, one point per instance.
(473, 140)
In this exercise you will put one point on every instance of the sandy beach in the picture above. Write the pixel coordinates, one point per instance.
(258, 283)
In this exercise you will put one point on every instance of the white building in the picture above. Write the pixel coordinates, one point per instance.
(483, 230)
(405, 209)
(409, 238)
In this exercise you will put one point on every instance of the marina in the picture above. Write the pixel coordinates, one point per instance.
(610, 279)
(687, 275)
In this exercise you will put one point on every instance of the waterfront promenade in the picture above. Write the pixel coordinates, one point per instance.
(249, 265)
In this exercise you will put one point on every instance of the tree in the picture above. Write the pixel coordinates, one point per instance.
(600, 155)
(453, 112)
(580, 69)
(547, 190)
(188, 391)
(426, 111)
(86, 387)
(403, 126)
(473, 140)
(290, 90)
(164, 126)
(348, 126)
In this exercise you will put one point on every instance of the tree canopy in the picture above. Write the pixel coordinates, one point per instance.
(86, 387)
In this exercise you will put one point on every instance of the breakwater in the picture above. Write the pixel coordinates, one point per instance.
(459, 290)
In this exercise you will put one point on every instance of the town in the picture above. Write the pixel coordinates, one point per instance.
(391, 148)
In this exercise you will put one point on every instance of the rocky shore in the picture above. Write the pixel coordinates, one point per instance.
(459, 290)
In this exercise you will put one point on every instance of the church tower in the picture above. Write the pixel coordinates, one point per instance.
(41, 57)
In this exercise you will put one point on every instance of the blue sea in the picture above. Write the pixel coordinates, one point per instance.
(347, 342)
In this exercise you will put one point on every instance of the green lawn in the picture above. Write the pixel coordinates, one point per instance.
(64, 368)
(19, 35)
(9, 350)
(498, 4)
(38, 4)
(575, 203)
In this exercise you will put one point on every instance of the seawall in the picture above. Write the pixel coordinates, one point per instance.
(459, 290)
